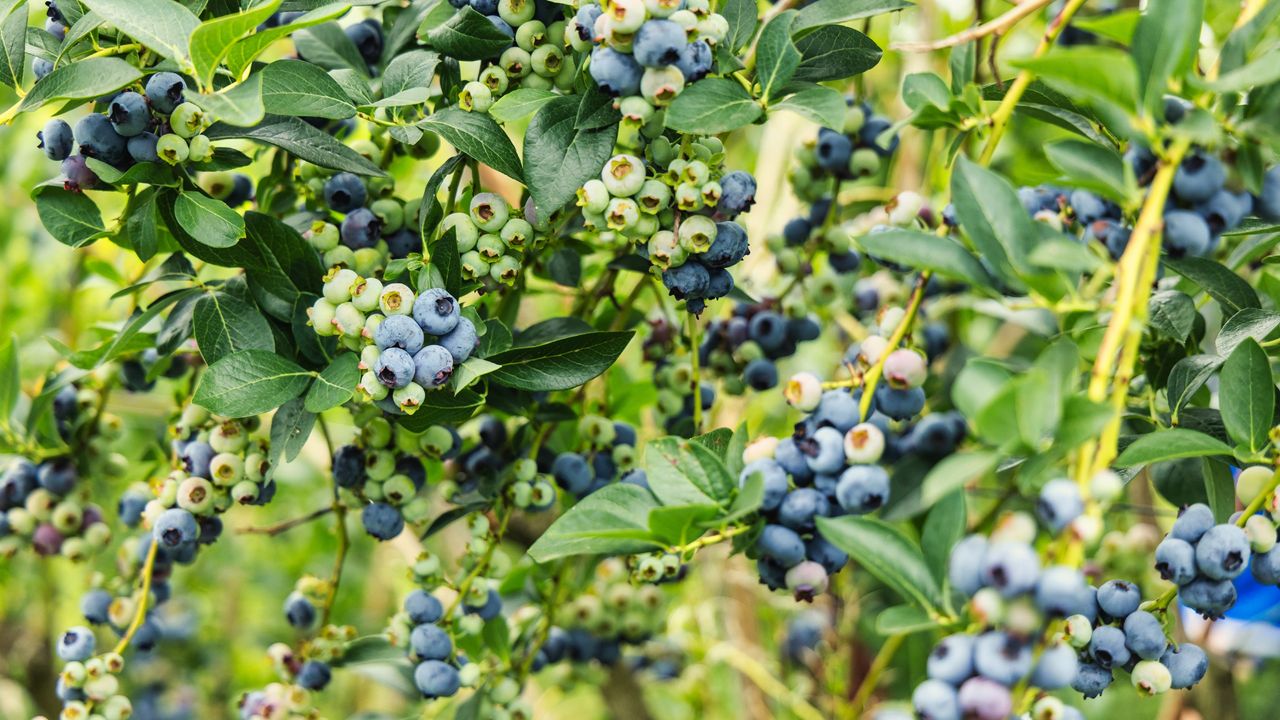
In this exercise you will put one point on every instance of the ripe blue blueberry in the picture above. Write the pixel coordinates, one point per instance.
(56, 139)
(899, 404)
(737, 190)
(381, 520)
(98, 139)
(797, 231)
(573, 473)
(1266, 566)
(862, 489)
(1193, 521)
(1187, 665)
(719, 284)
(1056, 667)
(142, 147)
(616, 73)
(768, 329)
(686, 282)
(436, 311)
(77, 644)
(1223, 552)
(361, 229)
(175, 527)
(460, 341)
(314, 675)
(348, 466)
(984, 699)
(761, 374)
(1198, 177)
(394, 368)
(1144, 635)
(965, 566)
(489, 610)
(129, 114)
(833, 150)
(1119, 598)
(870, 134)
(1091, 679)
(830, 557)
(165, 90)
(1224, 210)
(800, 507)
(1107, 647)
(433, 366)
(1088, 207)
(1010, 567)
(241, 187)
(95, 605)
(825, 450)
(403, 242)
(1061, 591)
(1001, 657)
(399, 331)
(774, 479)
(423, 607)
(781, 545)
(935, 700)
(299, 611)
(695, 61)
(1211, 598)
(430, 642)
(838, 408)
(659, 43)
(41, 68)
(1059, 504)
(58, 475)
(951, 660)
(1267, 202)
(1185, 234)
(345, 192)
(367, 37)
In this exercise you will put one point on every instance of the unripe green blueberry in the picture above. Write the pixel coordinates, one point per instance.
(636, 108)
(21, 522)
(534, 81)
(622, 213)
(544, 493)
(660, 86)
(66, 517)
(465, 232)
(713, 28)
(505, 270)
(495, 79)
(489, 212)
(417, 510)
(1261, 533)
(322, 236)
(491, 247)
(516, 62)
(685, 18)
(547, 61)
(1252, 481)
(195, 495)
(398, 489)
(217, 184)
(172, 149)
(593, 196)
(688, 197)
(517, 233)
(373, 387)
(1151, 677)
(854, 118)
(396, 299)
(525, 469)
(697, 232)
(338, 283)
(390, 212)
(256, 466)
(646, 226)
(695, 172)
(475, 97)
(864, 162)
(226, 468)
(567, 76)
(340, 255)
(188, 120)
(623, 175)
(200, 149)
(348, 320)
(245, 492)
(409, 398)
(530, 35)
(662, 8)
(369, 261)
(711, 192)
(365, 294)
(516, 12)
(473, 265)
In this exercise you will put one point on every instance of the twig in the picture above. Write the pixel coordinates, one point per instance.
(278, 528)
(996, 26)
(147, 568)
(872, 377)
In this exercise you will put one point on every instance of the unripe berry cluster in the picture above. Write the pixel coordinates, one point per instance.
(374, 226)
(385, 476)
(303, 673)
(860, 148)
(88, 686)
(537, 57)
(493, 240)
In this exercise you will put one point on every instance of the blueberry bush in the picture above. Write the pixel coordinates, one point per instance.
(513, 359)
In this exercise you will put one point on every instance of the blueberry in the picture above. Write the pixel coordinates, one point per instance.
(56, 139)
(1061, 592)
(436, 311)
(394, 368)
(825, 449)
(461, 341)
(1107, 647)
(430, 642)
(1088, 207)
(659, 43)
(381, 520)
(1224, 211)
(687, 281)
(345, 192)
(1091, 679)
(423, 607)
(129, 114)
(1119, 598)
(41, 68)
(1198, 178)
(1267, 202)
(1187, 665)
(175, 527)
(76, 645)
(965, 566)
(951, 660)
(833, 150)
(870, 134)
(314, 675)
(614, 72)
(1010, 567)
(800, 507)
(1223, 552)
(367, 37)
(1056, 667)
(838, 408)
(584, 21)
(165, 91)
(830, 557)
(142, 147)
(781, 545)
(361, 229)
(1144, 635)
(935, 700)
(774, 478)
(797, 231)
(433, 366)
(695, 62)
(729, 247)
(241, 187)
(899, 404)
(573, 473)
(348, 466)
(761, 374)
(1059, 504)
(299, 611)
(489, 610)
(77, 173)
(862, 489)
(1185, 234)
(95, 606)
(98, 139)
(399, 331)
(1192, 522)
(403, 242)
(1001, 657)
(737, 192)
(792, 459)
(1210, 598)
(58, 475)
(1266, 566)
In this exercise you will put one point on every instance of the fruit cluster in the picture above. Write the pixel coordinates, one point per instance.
(535, 59)
(390, 327)
(384, 478)
(375, 226)
(609, 455)
(1203, 557)
(860, 148)
(88, 682)
(303, 672)
(492, 240)
(677, 391)
(745, 348)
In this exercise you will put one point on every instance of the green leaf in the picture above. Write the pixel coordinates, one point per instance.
(470, 372)
(1219, 488)
(443, 408)
(1164, 47)
(335, 384)
(991, 214)
(1247, 395)
(1229, 289)
(433, 212)
(559, 364)
(478, 136)
(328, 46)
(748, 500)
(955, 472)
(224, 324)
(835, 52)
(443, 258)
(818, 104)
(1170, 445)
(10, 380)
(290, 427)
(295, 87)
(680, 524)
(926, 251)
(164, 26)
(240, 104)
(776, 55)
(308, 143)
(904, 620)
(149, 173)
(468, 35)
(70, 217)
(282, 265)
(677, 475)
(1172, 313)
(1248, 323)
(884, 551)
(712, 106)
(559, 157)
(243, 52)
(13, 47)
(834, 12)
(1117, 26)
(519, 104)
(614, 520)
(81, 80)
(411, 70)
(943, 528)
(1187, 377)
(210, 221)
(1074, 71)
(213, 39)
(1091, 165)
(250, 382)
(742, 18)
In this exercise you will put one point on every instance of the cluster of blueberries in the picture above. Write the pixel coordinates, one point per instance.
(385, 478)
(304, 675)
(492, 240)
(746, 347)
(535, 58)
(89, 680)
(650, 49)
(375, 225)
(151, 126)
(858, 149)
(41, 505)
(138, 374)
(674, 380)
(1203, 557)
(609, 456)
(679, 207)
(390, 327)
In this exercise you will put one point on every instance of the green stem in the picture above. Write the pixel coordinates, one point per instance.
(697, 373)
(872, 679)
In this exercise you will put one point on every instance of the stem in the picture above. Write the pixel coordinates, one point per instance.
(147, 567)
(697, 374)
(997, 26)
(278, 528)
(481, 566)
(340, 525)
(868, 686)
(708, 540)
(872, 378)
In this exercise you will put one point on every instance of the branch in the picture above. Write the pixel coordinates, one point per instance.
(998, 26)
